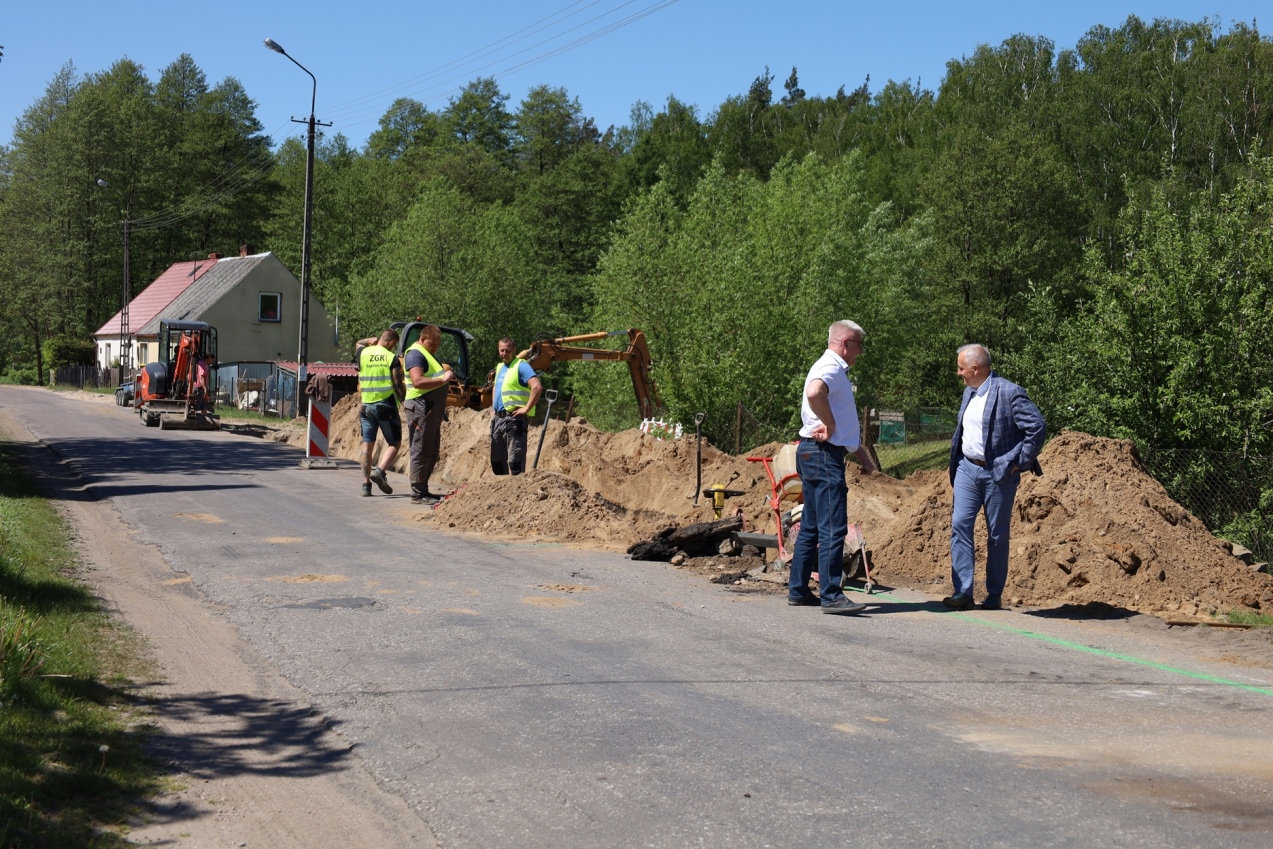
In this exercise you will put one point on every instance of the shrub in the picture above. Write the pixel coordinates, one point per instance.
(65, 351)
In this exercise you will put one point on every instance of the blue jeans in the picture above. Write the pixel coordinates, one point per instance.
(823, 523)
(975, 489)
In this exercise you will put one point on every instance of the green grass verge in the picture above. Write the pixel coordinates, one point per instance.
(1249, 617)
(235, 414)
(900, 460)
(71, 760)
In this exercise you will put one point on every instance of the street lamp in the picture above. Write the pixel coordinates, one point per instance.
(125, 346)
(302, 358)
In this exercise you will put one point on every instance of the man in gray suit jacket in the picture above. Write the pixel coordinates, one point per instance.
(998, 435)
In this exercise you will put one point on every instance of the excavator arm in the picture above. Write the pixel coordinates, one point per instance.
(543, 353)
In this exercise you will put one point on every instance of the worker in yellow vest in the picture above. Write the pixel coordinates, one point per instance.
(516, 390)
(426, 409)
(380, 382)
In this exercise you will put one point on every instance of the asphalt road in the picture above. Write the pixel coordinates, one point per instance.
(542, 696)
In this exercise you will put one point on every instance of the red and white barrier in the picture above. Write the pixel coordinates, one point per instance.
(320, 413)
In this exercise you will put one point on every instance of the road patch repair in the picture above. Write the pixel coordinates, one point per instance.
(1095, 529)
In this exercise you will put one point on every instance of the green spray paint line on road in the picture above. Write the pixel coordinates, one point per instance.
(1126, 658)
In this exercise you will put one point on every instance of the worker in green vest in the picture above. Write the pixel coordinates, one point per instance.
(380, 382)
(515, 392)
(426, 409)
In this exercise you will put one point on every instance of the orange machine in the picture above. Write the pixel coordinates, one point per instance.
(544, 352)
(176, 392)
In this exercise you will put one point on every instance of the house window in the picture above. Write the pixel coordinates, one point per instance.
(270, 307)
(142, 353)
(106, 358)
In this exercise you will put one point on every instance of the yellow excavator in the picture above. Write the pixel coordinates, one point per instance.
(542, 355)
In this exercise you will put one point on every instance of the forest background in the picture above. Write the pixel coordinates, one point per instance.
(1101, 217)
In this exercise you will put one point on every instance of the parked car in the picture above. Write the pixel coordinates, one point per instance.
(124, 394)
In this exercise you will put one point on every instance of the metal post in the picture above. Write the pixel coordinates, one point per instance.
(698, 447)
(126, 292)
(550, 396)
(307, 244)
(302, 355)
(125, 352)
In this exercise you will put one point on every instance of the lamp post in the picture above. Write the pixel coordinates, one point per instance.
(302, 357)
(125, 340)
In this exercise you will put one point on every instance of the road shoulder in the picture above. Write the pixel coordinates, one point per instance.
(255, 764)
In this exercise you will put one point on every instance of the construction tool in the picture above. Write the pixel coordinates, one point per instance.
(855, 559)
(698, 449)
(718, 492)
(550, 395)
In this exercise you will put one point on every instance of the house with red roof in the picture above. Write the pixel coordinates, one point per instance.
(252, 300)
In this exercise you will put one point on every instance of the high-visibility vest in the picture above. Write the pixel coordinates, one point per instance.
(432, 370)
(511, 392)
(374, 375)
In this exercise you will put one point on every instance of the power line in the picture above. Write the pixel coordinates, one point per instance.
(447, 85)
(255, 167)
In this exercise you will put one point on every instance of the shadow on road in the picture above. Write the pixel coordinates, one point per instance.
(1090, 610)
(118, 467)
(244, 735)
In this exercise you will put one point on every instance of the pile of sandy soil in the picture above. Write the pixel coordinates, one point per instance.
(1095, 528)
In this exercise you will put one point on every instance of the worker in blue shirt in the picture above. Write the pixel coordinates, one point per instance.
(516, 390)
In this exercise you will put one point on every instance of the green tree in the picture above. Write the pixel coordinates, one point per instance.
(407, 125)
(674, 148)
(1172, 350)
(453, 261)
(736, 293)
(480, 117)
(549, 127)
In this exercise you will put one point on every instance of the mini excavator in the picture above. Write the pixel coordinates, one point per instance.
(173, 394)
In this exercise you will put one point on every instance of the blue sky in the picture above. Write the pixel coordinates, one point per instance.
(364, 56)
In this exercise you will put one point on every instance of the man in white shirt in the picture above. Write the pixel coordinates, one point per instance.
(829, 433)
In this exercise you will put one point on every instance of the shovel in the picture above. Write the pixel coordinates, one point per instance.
(698, 445)
(550, 395)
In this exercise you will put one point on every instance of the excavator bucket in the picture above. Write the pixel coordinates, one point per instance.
(179, 415)
(194, 420)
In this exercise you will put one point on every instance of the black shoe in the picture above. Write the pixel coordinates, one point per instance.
(366, 490)
(804, 601)
(958, 601)
(843, 606)
(378, 478)
(993, 602)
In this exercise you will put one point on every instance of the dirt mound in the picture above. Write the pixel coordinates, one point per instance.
(1095, 528)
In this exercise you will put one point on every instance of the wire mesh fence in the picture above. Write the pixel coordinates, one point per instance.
(1231, 492)
(260, 387)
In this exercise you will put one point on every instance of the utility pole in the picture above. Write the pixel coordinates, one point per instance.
(125, 336)
(302, 357)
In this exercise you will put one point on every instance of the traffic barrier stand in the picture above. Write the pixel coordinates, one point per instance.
(316, 442)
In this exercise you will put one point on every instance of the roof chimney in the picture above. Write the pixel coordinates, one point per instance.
(214, 257)
(245, 250)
